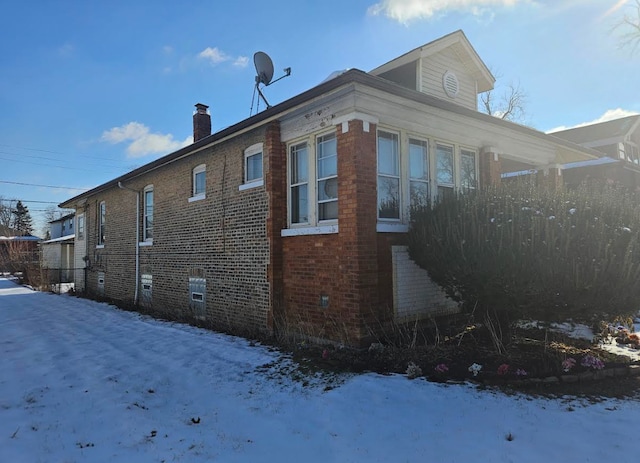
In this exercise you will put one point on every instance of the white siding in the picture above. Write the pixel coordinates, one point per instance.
(79, 252)
(434, 67)
(415, 295)
(51, 255)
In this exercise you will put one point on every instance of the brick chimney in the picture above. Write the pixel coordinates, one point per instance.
(201, 122)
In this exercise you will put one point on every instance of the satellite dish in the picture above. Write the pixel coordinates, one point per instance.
(264, 68)
(264, 74)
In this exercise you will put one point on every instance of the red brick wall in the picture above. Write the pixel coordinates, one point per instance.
(490, 169)
(343, 266)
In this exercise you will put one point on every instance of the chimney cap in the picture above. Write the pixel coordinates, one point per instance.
(202, 108)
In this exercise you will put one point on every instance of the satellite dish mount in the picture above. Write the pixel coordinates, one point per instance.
(264, 75)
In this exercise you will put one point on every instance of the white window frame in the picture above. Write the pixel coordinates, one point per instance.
(249, 153)
(145, 214)
(198, 195)
(311, 182)
(464, 151)
(327, 178)
(102, 219)
(397, 176)
(80, 227)
(451, 185)
(405, 138)
(427, 167)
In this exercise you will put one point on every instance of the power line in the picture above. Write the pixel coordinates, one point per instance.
(45, 186)
(47, 158)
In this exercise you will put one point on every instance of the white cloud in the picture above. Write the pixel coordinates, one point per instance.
(404, 11)
(609, 115)
(213, 55)
(241, 62)
(141, 141)
(216, 56)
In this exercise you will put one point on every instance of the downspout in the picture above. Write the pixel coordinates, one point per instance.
(122, 187)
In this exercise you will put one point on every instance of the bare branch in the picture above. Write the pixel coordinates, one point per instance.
(509, 105)
(630, 24)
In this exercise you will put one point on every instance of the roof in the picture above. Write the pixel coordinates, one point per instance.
(62, 238)
(615, 129)
(63, 218)
(467, 54)
(350, 77)
(20, 238)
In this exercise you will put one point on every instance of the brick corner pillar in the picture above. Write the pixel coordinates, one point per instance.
(275, 185)
(357, 185)
(550, 177)
(490, 168)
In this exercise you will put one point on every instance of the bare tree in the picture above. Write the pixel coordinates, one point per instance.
(6, 213)
(630, 26)
(507, 103)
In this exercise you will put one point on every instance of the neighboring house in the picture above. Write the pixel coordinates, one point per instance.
(295, 220)
(58, 251)
(618, 141)
(18, 253)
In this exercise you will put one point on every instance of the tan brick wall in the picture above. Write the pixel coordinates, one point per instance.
(225, 235)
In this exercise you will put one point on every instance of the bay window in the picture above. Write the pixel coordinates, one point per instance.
(388, 176)
(313, 180)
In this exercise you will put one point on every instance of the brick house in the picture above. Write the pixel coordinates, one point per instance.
(294, 220)
(618, 142)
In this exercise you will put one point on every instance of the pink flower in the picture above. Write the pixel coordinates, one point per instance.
(441, 368)
(503, 369)
(568, 364)
(590, 361)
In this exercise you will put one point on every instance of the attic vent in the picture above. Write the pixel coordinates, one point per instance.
(450, 84)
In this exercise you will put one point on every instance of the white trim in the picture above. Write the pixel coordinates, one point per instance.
(145, 243)
(147, 189)
(356, 115)
(253, 150)
(197, 198)
(302, 231)
(201, 168)
(248, 186)
(384, 227)
(99, 246)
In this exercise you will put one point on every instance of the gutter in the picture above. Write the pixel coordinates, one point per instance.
(122, 187)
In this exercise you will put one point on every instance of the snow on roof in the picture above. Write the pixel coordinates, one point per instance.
(20, 238)
(62, 238)
(591, 162)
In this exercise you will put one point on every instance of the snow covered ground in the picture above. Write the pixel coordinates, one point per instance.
(84, 382)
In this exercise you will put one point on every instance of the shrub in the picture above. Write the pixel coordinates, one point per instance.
(527, 251)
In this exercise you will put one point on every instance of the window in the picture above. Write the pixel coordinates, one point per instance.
(468, 179)
(148, 214)
(253, 163)
(444, 169)
(388, 176)
(80, 229)
(316, 202)
(414, 171)
(327, 176)
(299, 183)
(102, 215)
(418, 172)
(199, 182)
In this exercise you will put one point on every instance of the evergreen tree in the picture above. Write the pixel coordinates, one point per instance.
(22, 221)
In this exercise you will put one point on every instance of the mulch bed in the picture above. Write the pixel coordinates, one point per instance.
(536, 352)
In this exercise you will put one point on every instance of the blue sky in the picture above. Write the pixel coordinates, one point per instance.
(90, 90)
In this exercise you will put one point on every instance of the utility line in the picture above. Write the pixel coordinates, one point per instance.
(45, 186)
